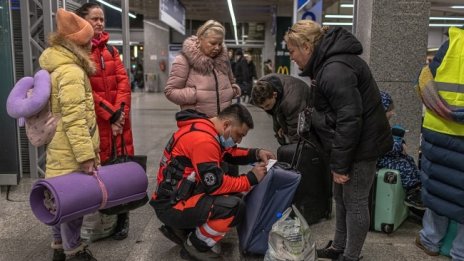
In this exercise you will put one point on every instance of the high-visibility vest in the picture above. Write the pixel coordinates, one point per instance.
(449, 81)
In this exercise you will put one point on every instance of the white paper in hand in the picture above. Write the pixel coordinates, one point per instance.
(270, 163)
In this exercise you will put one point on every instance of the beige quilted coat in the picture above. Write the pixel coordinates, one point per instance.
(192, 84)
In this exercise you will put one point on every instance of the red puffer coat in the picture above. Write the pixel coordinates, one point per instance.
(110, 87)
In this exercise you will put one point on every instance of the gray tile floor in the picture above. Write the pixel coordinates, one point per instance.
(23, 237)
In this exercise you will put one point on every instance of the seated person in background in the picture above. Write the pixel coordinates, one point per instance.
(283, 97)
(399, 160)
(194, 194)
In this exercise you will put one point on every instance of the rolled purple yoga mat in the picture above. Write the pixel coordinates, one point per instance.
(77, 194)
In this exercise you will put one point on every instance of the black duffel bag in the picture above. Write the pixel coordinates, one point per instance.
(115, 159)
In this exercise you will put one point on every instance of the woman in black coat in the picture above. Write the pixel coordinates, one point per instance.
(350, 122)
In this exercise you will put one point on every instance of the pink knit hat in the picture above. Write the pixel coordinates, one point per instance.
(73, 27)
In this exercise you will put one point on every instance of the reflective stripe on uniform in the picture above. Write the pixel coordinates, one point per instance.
(449, 82)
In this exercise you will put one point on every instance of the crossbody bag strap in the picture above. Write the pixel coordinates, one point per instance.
(218, 104)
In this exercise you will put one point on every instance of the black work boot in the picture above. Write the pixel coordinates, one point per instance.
(202, 253)
(177, 236)
(328, 252)
(122, 227)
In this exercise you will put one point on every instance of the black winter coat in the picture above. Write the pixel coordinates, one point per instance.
(349, 118)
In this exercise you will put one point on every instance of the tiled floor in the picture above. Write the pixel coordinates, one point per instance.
(23, 237)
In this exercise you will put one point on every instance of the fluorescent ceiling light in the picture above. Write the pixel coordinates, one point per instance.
(234, 22)
(457, 6)
(430, 25)
(336, 23)
(347, 5)
(447, 18)
(445, 25)
(339, 16)
(115, 8)
(431, 18)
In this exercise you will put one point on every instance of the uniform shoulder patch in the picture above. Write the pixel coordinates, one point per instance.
(210, 179)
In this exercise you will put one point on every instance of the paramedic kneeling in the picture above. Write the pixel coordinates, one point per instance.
(197, 202)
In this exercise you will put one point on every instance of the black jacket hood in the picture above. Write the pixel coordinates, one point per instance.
(336, 41)
(190, 114)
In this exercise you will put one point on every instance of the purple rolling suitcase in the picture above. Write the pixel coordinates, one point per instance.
(272, 195)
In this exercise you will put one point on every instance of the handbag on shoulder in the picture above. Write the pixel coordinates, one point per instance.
(124, 157)
(305, 117)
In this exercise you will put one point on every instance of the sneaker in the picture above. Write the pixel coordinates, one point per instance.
(122, 227)
(421, 246)
(59, 255)
(177, 236)
(189, 252)
(414, 199)
(329, 252)
(83, 255)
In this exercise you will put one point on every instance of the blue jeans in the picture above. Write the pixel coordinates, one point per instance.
(69, 233)
(352, 209)
(434, 230)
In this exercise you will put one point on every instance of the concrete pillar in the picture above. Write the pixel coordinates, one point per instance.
(155, 51)
(268, 51)
(394, 37)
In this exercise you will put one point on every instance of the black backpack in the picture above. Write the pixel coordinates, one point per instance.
(110, 49)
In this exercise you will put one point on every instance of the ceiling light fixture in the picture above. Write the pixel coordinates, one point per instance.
(347, 5)
(336, 23)
(115, 8)
(445, 25)
(234, 22)
(339, 16)
(447, 18)
(457, 6)
(431, 18)
(430, 25)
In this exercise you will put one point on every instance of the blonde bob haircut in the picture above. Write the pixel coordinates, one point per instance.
(305, 32)
(211, 26)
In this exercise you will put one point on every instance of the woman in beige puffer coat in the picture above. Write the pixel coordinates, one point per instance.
(201, 77)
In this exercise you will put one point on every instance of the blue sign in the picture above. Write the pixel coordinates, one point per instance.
(309, 14)
(302, 3)
(172, 13)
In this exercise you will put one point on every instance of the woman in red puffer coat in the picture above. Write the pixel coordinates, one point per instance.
(112, 96)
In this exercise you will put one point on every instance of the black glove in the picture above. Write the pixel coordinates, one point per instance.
(115, 117)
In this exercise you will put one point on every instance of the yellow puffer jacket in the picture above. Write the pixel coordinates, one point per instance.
(76, 139)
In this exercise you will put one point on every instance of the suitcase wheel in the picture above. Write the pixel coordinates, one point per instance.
(387, 228)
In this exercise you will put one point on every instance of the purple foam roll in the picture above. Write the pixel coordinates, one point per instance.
(78, 194)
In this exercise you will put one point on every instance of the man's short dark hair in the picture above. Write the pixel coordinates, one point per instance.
(239, 113)
(83, 11)
(262, 91)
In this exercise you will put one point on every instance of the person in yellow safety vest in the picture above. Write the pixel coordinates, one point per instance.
(441, 87)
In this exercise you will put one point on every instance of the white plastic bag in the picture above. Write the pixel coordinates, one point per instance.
(98, 226)
(290, 239)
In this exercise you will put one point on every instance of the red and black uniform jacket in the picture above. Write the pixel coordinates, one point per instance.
(110, 87)
(198, 141)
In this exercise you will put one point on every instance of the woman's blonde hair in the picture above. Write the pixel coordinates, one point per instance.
(211, 26)
(305, 32)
